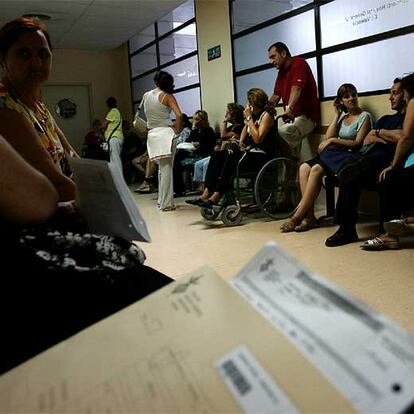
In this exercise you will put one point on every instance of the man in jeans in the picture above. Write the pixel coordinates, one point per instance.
(376, 153)
(296, 86)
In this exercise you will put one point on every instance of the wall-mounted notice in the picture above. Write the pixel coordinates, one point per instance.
(347, 20)
(214, 52)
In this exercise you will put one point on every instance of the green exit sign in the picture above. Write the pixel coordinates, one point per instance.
(214, 52)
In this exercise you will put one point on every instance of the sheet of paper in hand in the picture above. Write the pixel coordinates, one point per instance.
(365, 355)
(188, 146)
(105, 200)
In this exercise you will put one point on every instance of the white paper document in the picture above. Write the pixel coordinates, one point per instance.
(105, 200)
(369, 358)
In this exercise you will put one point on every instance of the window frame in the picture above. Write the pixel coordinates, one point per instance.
(160, 66)
(319, 52)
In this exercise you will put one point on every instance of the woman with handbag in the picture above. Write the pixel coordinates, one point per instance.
(344, 136)
(158, 104)
(113, 134)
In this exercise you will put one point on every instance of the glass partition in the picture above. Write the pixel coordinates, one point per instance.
(346, 20)
(144, 61)
(189, 100)
(185, 72)
(176, 18)
(367, 67)
(178, 44)
(251, 50)
(141, 39)
(175, 52)
(248, 13)
(142, 85)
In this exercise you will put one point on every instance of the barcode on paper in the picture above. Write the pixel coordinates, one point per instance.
(240, 383)
(252, 387)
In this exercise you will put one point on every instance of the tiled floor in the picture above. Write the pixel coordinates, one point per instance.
(182, 241)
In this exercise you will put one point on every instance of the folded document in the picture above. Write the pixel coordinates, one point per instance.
(105, 200)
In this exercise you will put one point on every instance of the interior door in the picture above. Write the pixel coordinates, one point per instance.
(76, 123)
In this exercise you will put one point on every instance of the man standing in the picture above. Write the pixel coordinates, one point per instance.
(113, 132)
(376, 153)
(296, 86)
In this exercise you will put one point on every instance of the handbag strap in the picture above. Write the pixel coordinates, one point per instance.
(112, 133)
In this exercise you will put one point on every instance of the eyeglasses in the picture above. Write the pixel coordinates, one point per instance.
(350, 95)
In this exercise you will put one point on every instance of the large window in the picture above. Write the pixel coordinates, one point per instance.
(346, 20)
(366, 42)
(169, 44)
(249, 13)
(252, 48)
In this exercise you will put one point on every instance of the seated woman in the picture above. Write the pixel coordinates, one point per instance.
(259, 133)
(230, 130)
(91, 147)
(54, 282)
(344, 136)
(203, 138)
(24, 120)
(233, 123)
(187, 127)
(133, 154)
(396, 198)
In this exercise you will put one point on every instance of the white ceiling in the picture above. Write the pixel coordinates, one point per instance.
(90, 24)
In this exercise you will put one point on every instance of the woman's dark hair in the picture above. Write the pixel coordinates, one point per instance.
(12, 30)
(164, 81)
(111, 102)
(186, 121)
(342, 91)
(258, 98)
(236, 112)
(407, 83)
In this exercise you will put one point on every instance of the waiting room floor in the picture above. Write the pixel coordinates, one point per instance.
(183, 241)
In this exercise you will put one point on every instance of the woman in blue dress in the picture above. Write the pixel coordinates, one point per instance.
(344, 136)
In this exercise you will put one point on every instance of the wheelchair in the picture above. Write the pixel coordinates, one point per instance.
(274, 191)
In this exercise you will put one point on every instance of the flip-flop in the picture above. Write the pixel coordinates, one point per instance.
(306, 224)
(289, 225)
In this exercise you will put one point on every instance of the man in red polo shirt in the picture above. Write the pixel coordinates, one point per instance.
(296, 86)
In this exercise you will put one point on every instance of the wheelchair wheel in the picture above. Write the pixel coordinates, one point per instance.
(231, 215)
(209, 213)
(276, 188)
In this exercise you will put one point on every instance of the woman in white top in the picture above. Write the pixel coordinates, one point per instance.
(158, 104)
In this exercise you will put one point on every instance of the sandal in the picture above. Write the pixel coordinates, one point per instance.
(379, 244)
(290, 225)
(306, 224)
(398, 227)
